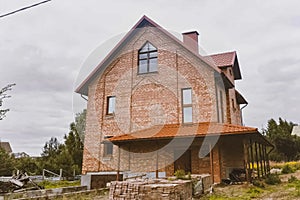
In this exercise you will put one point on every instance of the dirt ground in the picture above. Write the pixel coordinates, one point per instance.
(282, 191)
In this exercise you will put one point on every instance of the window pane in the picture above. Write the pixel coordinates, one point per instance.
(148, 47)
(153, 54)
(111, 105)
(108, 149)
(221, 107)
(143, 66)
(151, 47)
(187, 114)
(153, 65)
(145, 48)
(143, 56)
(187, 96)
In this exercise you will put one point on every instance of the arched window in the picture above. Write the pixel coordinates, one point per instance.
(147, 59)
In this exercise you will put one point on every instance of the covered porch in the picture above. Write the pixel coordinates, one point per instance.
(203, 148)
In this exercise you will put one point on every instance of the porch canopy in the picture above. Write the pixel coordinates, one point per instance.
(255, 144)
(169, 131)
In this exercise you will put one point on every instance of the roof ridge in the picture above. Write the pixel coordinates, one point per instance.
(227, 52)
(91, 75)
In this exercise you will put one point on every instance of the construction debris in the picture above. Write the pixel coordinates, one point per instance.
(19, 182)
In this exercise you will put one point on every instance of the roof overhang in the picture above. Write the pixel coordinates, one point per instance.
(171, 131)
(236, 69)
(227, 83)
(239, 98)
(143, 22)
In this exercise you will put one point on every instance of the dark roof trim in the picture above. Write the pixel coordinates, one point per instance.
(240, 99)
(236, 69)
(144, 21)
(227, 83)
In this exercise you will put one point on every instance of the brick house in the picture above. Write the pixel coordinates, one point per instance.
(6, 147)
(155, 105)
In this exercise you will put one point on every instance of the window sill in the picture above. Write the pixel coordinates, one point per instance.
(107, 158)
(187, 123)
(109, 116)
(147, 73)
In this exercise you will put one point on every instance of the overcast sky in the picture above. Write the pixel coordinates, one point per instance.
(42, 50)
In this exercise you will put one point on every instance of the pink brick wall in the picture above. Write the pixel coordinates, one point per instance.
(145, 100)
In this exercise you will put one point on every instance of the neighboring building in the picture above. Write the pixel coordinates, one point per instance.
(6, 146)
(155, 105)
(21, 155)
(296, 130)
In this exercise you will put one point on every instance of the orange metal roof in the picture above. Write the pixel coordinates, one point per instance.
(190, 130)
(224, 59)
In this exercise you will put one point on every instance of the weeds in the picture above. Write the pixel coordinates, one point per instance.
(287, 169)
(58, 184)
(272, 179)
(292, 179)
(180, 174)
(254, 192)
(258, 183)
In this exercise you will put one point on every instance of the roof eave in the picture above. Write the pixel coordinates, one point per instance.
(236, 69)
(83, 87)
(181, 137)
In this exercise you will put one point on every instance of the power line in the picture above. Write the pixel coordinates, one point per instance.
(21, 9)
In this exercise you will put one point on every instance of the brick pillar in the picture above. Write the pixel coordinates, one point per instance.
(215, 164)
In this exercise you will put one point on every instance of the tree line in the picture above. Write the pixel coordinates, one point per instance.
(68, 155)
(55, 155)
(286, 145)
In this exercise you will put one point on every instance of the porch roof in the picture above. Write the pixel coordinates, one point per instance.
(169, 131)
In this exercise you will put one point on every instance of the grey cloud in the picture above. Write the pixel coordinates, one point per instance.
(42, 50)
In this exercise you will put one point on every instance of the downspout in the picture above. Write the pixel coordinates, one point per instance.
(242, 112)
(83, 97)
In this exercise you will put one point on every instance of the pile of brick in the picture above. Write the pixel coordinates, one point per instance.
(151, 189)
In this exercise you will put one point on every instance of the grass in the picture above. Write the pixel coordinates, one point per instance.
(58, 184)
(294, 165)
(96, 194)
(240, 193)
(290, 189)
(294, 184)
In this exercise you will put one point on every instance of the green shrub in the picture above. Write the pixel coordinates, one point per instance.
(258, 183)
(180, 174)
(287, 169)
(272, 179)
(297, 166)
(189, 176)
(297, 187)
(292, 179)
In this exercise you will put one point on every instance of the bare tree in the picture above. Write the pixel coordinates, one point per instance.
(4, 95)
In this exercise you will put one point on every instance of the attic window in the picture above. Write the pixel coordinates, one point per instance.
(147, 59)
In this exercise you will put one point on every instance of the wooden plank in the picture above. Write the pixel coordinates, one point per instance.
(256, 158)
(119, 156)
(211, 163)
(260, 160)
(246, 159)
(251, 157)
(156, 170)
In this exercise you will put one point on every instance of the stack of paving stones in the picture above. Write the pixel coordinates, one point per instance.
(150, 189)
